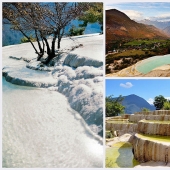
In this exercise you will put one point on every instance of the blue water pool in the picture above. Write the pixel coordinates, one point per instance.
(151, 63)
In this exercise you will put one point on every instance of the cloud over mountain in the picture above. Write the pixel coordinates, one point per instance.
(126, 85)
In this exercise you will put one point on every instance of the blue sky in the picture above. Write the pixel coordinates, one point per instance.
(145, 88)
(143, 10)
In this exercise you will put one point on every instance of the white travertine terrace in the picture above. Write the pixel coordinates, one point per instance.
(151, 130)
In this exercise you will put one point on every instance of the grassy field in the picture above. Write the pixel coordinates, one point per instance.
(147, 42)
(129, 53)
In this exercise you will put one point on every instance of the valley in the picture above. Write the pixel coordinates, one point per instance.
(129, 42)
(125, 53)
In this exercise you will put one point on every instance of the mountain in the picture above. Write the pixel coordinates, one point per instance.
(167, 30)
(159, 24)
(120, 26)
(134, 103)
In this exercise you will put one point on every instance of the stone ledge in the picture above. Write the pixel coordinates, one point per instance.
(154, 128)
(137, 118)
(149, 150)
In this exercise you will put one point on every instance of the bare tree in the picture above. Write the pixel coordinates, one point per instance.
(57, 16)
(44, 19)
(23, 17)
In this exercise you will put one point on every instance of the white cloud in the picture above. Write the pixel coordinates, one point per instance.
(126, 85)
(167, 98)
(135, 15)
(162, 17)
(132, 14)
(150, 101)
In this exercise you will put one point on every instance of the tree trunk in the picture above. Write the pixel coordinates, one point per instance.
(60, 35)
(40, 55)
(50, 52)
(53, 45)
(47, 45)
(59, 40)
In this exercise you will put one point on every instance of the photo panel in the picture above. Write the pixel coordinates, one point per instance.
(52, 84)
(137, 126)
(137, 39)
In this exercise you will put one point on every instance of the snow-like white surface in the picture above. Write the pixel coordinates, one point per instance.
(92, 45)
(68, 79)
(81, 83)
(41, 130)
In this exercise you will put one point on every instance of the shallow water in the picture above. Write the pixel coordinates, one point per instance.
(120, 156)
(119, 122)
(156, 138)
(153, 62)
(157, 121)
(41, 130)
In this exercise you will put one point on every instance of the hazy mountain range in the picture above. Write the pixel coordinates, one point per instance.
(159, 24)
(167, 30)
(163, 25)
(134, 103)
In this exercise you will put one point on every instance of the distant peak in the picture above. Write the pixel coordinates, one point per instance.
(132, 95)
(117, 12)
(111, 10)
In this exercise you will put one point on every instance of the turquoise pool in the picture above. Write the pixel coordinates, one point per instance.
(149, 64)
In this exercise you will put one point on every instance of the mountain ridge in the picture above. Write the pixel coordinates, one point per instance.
(159, 24)
(134, 103)
(167, 30)
(120, 26)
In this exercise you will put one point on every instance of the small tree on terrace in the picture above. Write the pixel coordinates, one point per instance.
(145, 109)
(166, 105)
(159, 102)
(114, 106)
(44, 20)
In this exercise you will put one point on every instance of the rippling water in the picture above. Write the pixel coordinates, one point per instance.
(41, 130)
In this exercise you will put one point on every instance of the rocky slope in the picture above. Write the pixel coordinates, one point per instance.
(119, 26)
(167, 30)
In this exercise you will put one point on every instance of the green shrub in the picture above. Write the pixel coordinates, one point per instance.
(76, 31)
(25, 39)
(109, 134)
(166, 105)
(145, 110)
